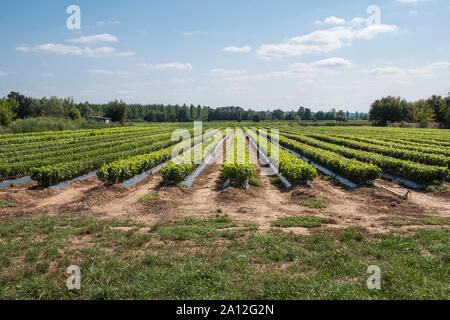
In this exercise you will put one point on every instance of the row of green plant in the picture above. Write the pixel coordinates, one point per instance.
(412, 170)
(380, 141)
(414, 156)
(183, 166)
(421, 139)
(52, 136)
(39, 146)
(352, 169)
(400, 145)
(19, 168)
(426, 137)
(123, 169)
(294, 169)
(238, 166)
(52, 174)
(62, 152)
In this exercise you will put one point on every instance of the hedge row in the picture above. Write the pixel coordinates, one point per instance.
(412, 170)
(294, 169)
(238, 166)
(183, 166)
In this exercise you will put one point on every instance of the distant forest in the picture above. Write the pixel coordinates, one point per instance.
(18, 106)
(384, 111)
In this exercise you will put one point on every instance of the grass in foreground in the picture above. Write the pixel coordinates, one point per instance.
(423, 222)
(319, 202)
(149, 197)
(305, 222)
(123, 260)
(6, 204)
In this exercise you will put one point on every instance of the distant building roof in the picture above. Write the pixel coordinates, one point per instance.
(100, 118)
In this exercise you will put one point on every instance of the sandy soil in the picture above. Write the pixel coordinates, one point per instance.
(371, 207)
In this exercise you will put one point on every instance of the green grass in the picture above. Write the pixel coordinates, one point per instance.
(305, 222)
(195, 229)
(221, 259)
(319, 202)
(275, 180)
(423, 222)
(6, 204)
(254, 181)
(149, 197)
(436, 188)
(353, 233)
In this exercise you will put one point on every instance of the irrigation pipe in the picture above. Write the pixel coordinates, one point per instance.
(286, 183)
(190, 180)
(136, 179)
(7, 183)
(326, 171)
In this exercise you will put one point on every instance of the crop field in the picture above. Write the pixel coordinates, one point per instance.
(269, 210)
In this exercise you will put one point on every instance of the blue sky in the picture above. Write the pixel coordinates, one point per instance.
(251, 53)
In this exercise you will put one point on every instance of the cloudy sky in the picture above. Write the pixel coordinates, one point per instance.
(252, 53)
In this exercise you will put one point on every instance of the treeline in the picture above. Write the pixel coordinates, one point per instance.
(184, 113)
(397, 110)
(382, 112)
(17, 106)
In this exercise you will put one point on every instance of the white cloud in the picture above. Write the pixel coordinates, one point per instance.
(340, 22)
(413, 12)
(104, 72)
(191, 33)
(357, 21)
(23, 48)
(427, 70)
(331, 20)
(237, 49)
(3, 73)
(315, 67)
(102, 23)
(225, 72)
(47, 75)
(171, 65)
(77, 51)
(300, 69)
(322, 41)
(331, 62)
(105, 37)
(384, 71)
(407, 1)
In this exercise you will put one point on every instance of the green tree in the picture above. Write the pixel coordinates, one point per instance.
(85, 109)
(74, 113)
(307, 115)
(392, 109)
(423, 112)
(278, 114)
(117, 111)
(7, 109)
(23, 110)
(445, 111)
(437, 103)
(340, 116)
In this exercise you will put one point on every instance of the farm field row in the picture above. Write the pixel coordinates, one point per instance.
(357, 153)
(417, 166)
